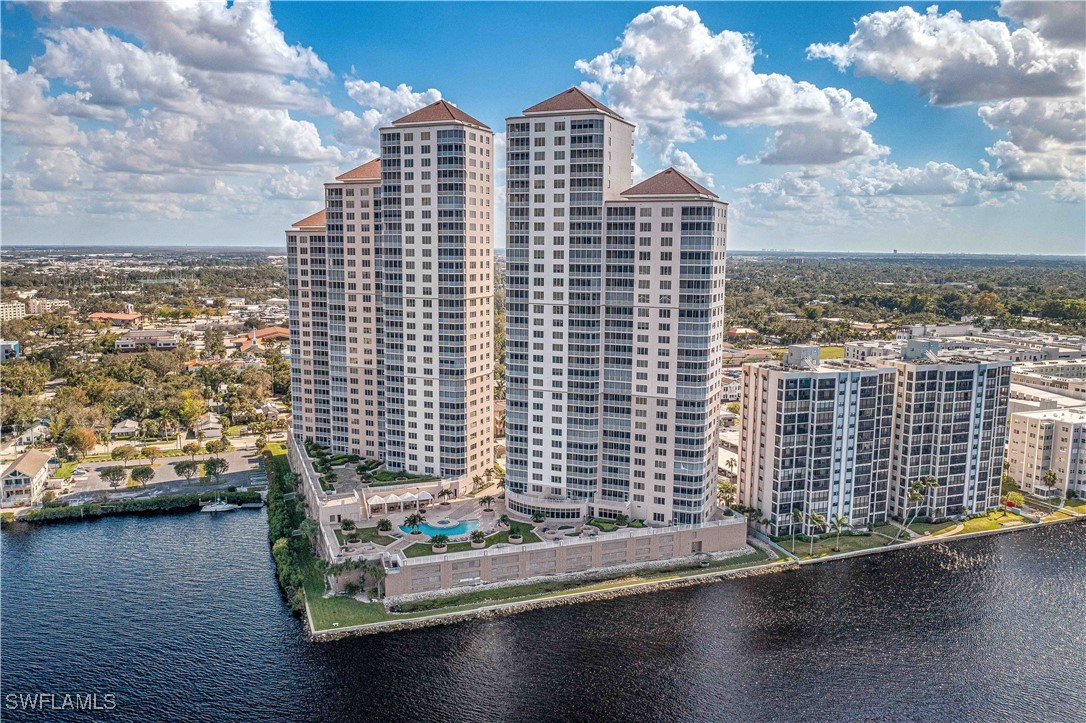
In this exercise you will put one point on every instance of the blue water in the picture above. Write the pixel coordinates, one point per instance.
(461, 528)
(179, 616)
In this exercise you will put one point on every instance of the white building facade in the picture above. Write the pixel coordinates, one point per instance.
(614, 302)
(816, 437)
(1049, 439)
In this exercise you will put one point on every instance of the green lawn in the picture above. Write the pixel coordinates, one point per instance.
(347, 611)
(1077, 505)
(933, 527)
(832, 352)
(422, 549)
(234, 430)
(602, 524)
(988, 522)
(822, 548)
(65, 470)
(365, 534)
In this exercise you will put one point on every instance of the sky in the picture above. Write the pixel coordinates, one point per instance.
(956, 128)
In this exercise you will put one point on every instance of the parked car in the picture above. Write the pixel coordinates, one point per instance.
(79, 473)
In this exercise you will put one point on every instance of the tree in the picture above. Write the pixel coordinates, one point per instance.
(439, 540)
(839, 523)
(191, 408)
(215, 467)
(192, 449)
(1050, 480)
(309, 528)
(413, 521)
(445, 494)
(818, 521)
(797, 519)
(151, 453)
(125, 453)
(487, 501)
(261, 442)
(187, 468)
(143, 474)
(1015, 499)
(216, 446)
(114, 475)
(917, 492)
(725, 492)
(81, 439)
(346, 525)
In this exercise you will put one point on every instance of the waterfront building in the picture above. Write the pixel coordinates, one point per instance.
(1049, 440)
(816, 437)
(950, 424)
(335, 316)
(437, 249)
(10, 310)
(24, 481)
(850, 437)
(614, 309)
(390, 297)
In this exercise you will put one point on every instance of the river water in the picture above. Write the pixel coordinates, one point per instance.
(179, 617)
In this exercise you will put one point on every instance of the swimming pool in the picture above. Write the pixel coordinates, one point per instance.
(454, 530)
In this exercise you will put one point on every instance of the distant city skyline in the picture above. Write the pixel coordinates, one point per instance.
(146, 124)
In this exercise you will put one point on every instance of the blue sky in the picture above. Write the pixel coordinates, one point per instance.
(159, 124)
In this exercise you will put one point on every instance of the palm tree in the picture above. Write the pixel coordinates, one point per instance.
(797, 518)
(487, 501)
(725, 492)
(413, 521)
(445, 494)
(816, 520)
(917, 492)
(839, 523)
(1050, 481)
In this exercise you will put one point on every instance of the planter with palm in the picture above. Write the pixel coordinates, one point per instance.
(413, 521)
(439, 543)
(488, 501)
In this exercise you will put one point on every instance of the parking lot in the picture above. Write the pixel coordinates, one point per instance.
(245, 470)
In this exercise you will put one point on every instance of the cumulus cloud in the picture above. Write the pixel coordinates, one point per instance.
(179, 94)
(205, 35)
(381, 106)
(955, 61)
(1068, 191)
(1027, 82)
(1058, 21)
(670, 70)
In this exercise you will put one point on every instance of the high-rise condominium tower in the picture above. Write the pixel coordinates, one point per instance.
(391, 296)
(335, 317)
(437, 248)
(614, 309)
(851, 437)
(816, 437)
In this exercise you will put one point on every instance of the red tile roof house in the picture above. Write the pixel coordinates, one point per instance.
(103, 317)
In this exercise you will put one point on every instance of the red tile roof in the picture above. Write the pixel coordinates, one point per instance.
(103, 315)
(668, 183)
(316, 219)
(442, 110)
(368, 170)
(572, 99)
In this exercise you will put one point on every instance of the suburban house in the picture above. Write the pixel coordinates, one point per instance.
(128, 320)
(141, 339)
(208, 426)
(270, 412)
(125, 428)
(24, 481)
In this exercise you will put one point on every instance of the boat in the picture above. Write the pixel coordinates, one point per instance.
(218, 506)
